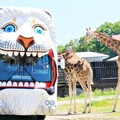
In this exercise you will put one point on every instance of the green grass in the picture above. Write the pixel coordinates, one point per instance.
(105, 92)
(96, 93)
(103, 106)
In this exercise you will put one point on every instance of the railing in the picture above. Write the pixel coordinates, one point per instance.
(105, 74)
(104, 69)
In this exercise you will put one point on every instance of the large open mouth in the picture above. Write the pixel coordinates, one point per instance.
(27, 69)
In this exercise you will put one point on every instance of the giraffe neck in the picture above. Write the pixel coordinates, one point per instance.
(108, 41)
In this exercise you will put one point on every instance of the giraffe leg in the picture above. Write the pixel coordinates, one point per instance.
(84, 87)
(90, 96)
(85, 104)
(74, 95)
(89, 92)
(118, 86)
(70, 95)
(116, 94)
(116, 98)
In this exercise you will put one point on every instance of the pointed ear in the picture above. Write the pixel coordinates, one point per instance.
(87, 29)
(46, 11)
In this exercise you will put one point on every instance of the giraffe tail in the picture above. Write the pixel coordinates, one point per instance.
(91, 77)
(92, 83)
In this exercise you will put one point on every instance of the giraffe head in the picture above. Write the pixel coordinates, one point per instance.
(67, 54)
(89, 35)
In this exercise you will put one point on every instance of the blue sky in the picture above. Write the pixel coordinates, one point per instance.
(71, 17)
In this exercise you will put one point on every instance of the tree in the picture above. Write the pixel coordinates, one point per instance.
(110, 29)
(73, 44)
(60, 48)
(81, 46)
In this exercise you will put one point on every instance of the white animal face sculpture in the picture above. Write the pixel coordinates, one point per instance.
(26, 31)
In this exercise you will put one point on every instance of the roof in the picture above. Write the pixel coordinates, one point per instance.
(92, 56)
(113, 59)
(117, 37)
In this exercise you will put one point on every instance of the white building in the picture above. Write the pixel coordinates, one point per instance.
(113, 59)
(92, 56)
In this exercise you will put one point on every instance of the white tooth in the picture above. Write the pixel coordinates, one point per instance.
(16, 53)
(22, 54)
(39, 54)
(26, 84)
(9, 83)
(36, 84)
(14, 83)
(45, 53)
(4, 84)
(31, 84)
(34, 54)
(10, 53)
(28, 54)
(20, 84)
(42, 85)
(0, 83)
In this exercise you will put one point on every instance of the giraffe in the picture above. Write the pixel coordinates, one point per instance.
(113, 44)
(77, 69)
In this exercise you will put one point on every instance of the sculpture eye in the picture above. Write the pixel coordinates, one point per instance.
(38, 29)
(9, 28)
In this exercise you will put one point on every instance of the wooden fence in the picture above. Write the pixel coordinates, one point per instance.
(105, 75)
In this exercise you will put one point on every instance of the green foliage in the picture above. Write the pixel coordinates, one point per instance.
(81, 46)
(116, 28)
(73, 44)
(109, 28)
(106, 28)
(60, 48)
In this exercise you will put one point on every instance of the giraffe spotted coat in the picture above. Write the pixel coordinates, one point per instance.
(77, 70)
